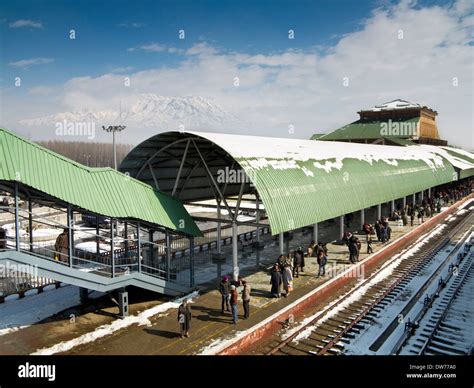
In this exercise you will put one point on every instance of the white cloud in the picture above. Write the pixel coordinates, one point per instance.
(31, 62)
(304, 88)
(25, 23)
(156, 48)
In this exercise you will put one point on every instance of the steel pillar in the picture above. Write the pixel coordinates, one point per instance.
(168, 254)
(70, 222)
(17, 219)
(235, 259)
(341, 227)
(281, 243)
(191, 261)
(123, 304)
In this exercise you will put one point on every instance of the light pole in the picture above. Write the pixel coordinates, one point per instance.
(113, 129)
(87, 158)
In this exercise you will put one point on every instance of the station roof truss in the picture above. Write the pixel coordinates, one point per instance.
(300, 182)
(102, 191)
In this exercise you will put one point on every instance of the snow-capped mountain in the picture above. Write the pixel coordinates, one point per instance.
(152, 111)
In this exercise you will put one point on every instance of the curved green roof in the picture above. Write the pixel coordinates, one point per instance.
(300, 182)
(103, 191)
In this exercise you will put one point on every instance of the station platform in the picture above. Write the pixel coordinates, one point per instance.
(208, 326)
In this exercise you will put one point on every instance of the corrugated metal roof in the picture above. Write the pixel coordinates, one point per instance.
(302, 182)
(369, 129)
(103, 191)
(461, 159)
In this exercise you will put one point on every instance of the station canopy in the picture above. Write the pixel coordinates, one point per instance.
(300, 182)
(103, 191)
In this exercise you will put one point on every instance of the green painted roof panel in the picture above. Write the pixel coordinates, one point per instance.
(103, 191)
(302, 182)
(365, 129)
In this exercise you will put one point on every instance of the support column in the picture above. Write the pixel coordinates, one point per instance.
(123, 303)
(83, 294)
(414, 199)
(392, 206)
(17, 219)
(139, 248)
(219, 255)
(219, 236)
(281, 243)
(422, 195)
(362, 218)
(315, 233)
(70, 222)
(404, 202)
(429, 192)
(341, 227)
(379, 211)
(257, 218)
(168, 254)
(97, 240)
(235, 259)
(112, 251)
(125, 232)
(191, 261)
(30, 223)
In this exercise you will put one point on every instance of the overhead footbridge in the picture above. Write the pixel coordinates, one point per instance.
(46, 199)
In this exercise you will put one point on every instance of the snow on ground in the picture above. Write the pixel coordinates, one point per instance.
(360, 290)
(140, 319)
(21, 313)
(220, 344)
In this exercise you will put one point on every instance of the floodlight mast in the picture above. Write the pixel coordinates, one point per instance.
(113, 129)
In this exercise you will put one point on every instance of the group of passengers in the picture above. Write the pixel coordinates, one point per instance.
(288, 267)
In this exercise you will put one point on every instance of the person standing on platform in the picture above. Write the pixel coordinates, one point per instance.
(184, 318)
(287, 278)
(246, 298)
(353, 250)
(275, 281)
(233, 303)
(224, 289)
(322, 261)
(61, 247)
(298, 263)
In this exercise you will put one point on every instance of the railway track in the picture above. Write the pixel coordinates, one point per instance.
(334, 327)
(446, 326)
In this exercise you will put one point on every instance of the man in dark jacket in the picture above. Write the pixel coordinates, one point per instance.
(224, 289)
(275, 281)
(298, 262)
(184, 318)
(353, 250)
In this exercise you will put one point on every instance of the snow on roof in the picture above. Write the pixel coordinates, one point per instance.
(283, 153)
(395, 104)
(462, 164)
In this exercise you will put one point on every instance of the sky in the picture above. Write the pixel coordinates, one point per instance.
(305, 65)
